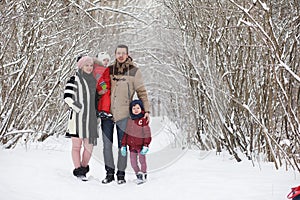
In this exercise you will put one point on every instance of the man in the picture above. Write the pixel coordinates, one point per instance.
(126, 81)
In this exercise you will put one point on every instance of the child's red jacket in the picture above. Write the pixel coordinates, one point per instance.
(103, 78)
(137, 134)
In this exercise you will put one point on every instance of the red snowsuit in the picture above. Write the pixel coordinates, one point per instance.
(101, 74)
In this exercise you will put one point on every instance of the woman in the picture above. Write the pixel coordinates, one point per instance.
(82, 126)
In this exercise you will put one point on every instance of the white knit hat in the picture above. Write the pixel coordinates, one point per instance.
(103, 55)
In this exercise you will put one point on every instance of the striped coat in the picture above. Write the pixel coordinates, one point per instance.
(80, 95)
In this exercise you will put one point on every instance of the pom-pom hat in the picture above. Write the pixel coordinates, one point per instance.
(133, 103)
(103, 55)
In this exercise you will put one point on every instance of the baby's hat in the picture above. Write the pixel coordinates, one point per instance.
(103, 55)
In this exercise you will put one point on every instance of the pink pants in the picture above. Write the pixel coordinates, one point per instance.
(79, 161)
(134, 157)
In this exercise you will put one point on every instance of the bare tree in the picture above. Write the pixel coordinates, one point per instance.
(241, 60)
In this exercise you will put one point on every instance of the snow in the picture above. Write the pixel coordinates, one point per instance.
(264, 5)
(43, 171)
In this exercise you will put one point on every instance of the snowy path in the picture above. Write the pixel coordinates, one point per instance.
(44, 173)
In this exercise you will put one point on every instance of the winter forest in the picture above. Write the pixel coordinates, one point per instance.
(226, 72)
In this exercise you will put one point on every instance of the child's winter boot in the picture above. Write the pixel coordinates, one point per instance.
(139, 176)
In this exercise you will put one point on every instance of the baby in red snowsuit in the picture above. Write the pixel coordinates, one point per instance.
(101, 74)
(138, 137)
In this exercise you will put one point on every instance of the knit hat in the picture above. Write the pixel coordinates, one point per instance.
(133, 103)
(103, 55)
(84, 61)
(80, 56)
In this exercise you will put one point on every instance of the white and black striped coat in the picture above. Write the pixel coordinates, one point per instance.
(80, 95)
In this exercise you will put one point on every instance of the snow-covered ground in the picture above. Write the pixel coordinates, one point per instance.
(42, 171)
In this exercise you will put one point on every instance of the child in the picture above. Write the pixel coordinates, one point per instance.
(80, 94)
(101, 73)
(138, 137)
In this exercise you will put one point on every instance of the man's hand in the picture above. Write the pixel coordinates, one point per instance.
(147, 117)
